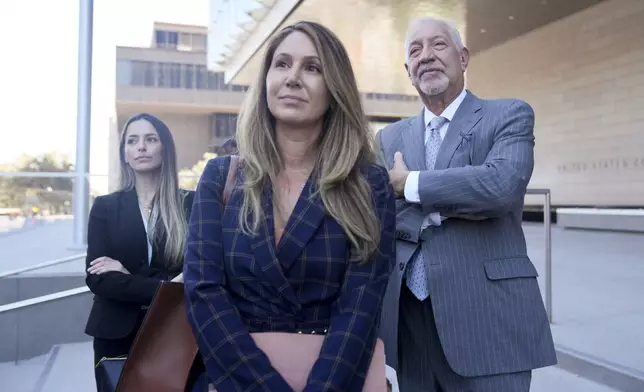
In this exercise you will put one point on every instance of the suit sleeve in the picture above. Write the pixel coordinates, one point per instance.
(232, 359)
(493, 188)
(348, 347)
(380, 151)
(157, 273)
(409, 218)
(117, 286)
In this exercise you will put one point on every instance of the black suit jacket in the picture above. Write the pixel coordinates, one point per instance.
(116, 230)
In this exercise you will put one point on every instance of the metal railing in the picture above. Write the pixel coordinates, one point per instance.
(548, 260)
(47, 297)
(81, 195)
(548, 248)
(44, 264)
(43, 298)
(47, 174)
(25, 174)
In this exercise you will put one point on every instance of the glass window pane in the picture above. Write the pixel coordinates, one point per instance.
(148, 73)
(215, 80)
(202, 77)
(175, 75)
(223, 126)
(163, 74)
(173, 39)
(199, 42)
(161, 38)
(188, 76)
(185, 43)
(123, 72)
(138, 73)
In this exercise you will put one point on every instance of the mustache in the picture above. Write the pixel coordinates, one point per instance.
(423, 70)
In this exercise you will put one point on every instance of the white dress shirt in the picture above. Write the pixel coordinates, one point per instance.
(148, 232)
(411, 184)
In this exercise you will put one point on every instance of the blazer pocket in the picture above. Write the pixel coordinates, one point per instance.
(510, 268)
(462, 157)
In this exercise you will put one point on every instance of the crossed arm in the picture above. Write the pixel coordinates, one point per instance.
(492, 188)
(136, 288)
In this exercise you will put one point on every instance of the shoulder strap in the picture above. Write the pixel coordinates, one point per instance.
(228, 188)
(232, 177)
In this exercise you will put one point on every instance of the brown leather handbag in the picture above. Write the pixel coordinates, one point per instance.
(164, 353)
(164, 350)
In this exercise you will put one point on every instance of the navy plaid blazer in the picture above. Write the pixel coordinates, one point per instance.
(236, 284)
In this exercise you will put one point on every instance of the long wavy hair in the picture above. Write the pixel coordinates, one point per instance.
(346, 144)
(168, 199)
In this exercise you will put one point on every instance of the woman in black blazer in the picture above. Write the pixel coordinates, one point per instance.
(136, 236)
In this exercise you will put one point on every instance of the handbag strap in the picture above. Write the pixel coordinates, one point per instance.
(231, 179)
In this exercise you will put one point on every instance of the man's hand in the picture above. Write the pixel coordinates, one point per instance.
(398, 175)
(102, 265)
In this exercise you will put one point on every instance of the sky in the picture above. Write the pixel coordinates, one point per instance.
(38, 70)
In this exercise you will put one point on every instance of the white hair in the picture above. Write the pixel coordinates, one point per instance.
(450, 25)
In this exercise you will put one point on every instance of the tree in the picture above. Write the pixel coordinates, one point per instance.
(48, 162)
(51, 193)
(7, 198)
(188, 178)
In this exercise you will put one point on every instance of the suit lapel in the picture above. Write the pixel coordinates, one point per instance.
(467, 115)
(414, 143)
(133, 228)
(307, 216)
(264, 250)
(158, 247)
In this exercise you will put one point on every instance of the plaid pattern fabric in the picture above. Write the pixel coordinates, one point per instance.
(236, 284)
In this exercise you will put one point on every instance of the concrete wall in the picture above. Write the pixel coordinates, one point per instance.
(160, 55)
(13, 289)
(32, 331)
(584, 76)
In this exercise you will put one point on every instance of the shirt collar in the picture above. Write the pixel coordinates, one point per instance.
(449, 111)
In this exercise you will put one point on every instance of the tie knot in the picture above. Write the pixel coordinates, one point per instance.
(437, 122)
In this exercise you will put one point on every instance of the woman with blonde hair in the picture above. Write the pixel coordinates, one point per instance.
(305, 242)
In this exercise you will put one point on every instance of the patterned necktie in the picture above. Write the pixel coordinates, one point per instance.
(416, 272)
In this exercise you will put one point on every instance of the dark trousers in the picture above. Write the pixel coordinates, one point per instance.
(422, 366)
(112, 348)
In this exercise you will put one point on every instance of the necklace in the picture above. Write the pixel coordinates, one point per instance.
(145, 206)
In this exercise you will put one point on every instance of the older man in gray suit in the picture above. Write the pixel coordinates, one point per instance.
(463, 311)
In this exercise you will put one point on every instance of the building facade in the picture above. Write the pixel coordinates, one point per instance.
(579, 63)
(170, 80)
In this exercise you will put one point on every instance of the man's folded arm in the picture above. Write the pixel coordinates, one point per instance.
(488, 190)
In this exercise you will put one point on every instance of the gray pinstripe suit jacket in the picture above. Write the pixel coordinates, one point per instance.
(487, 305)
